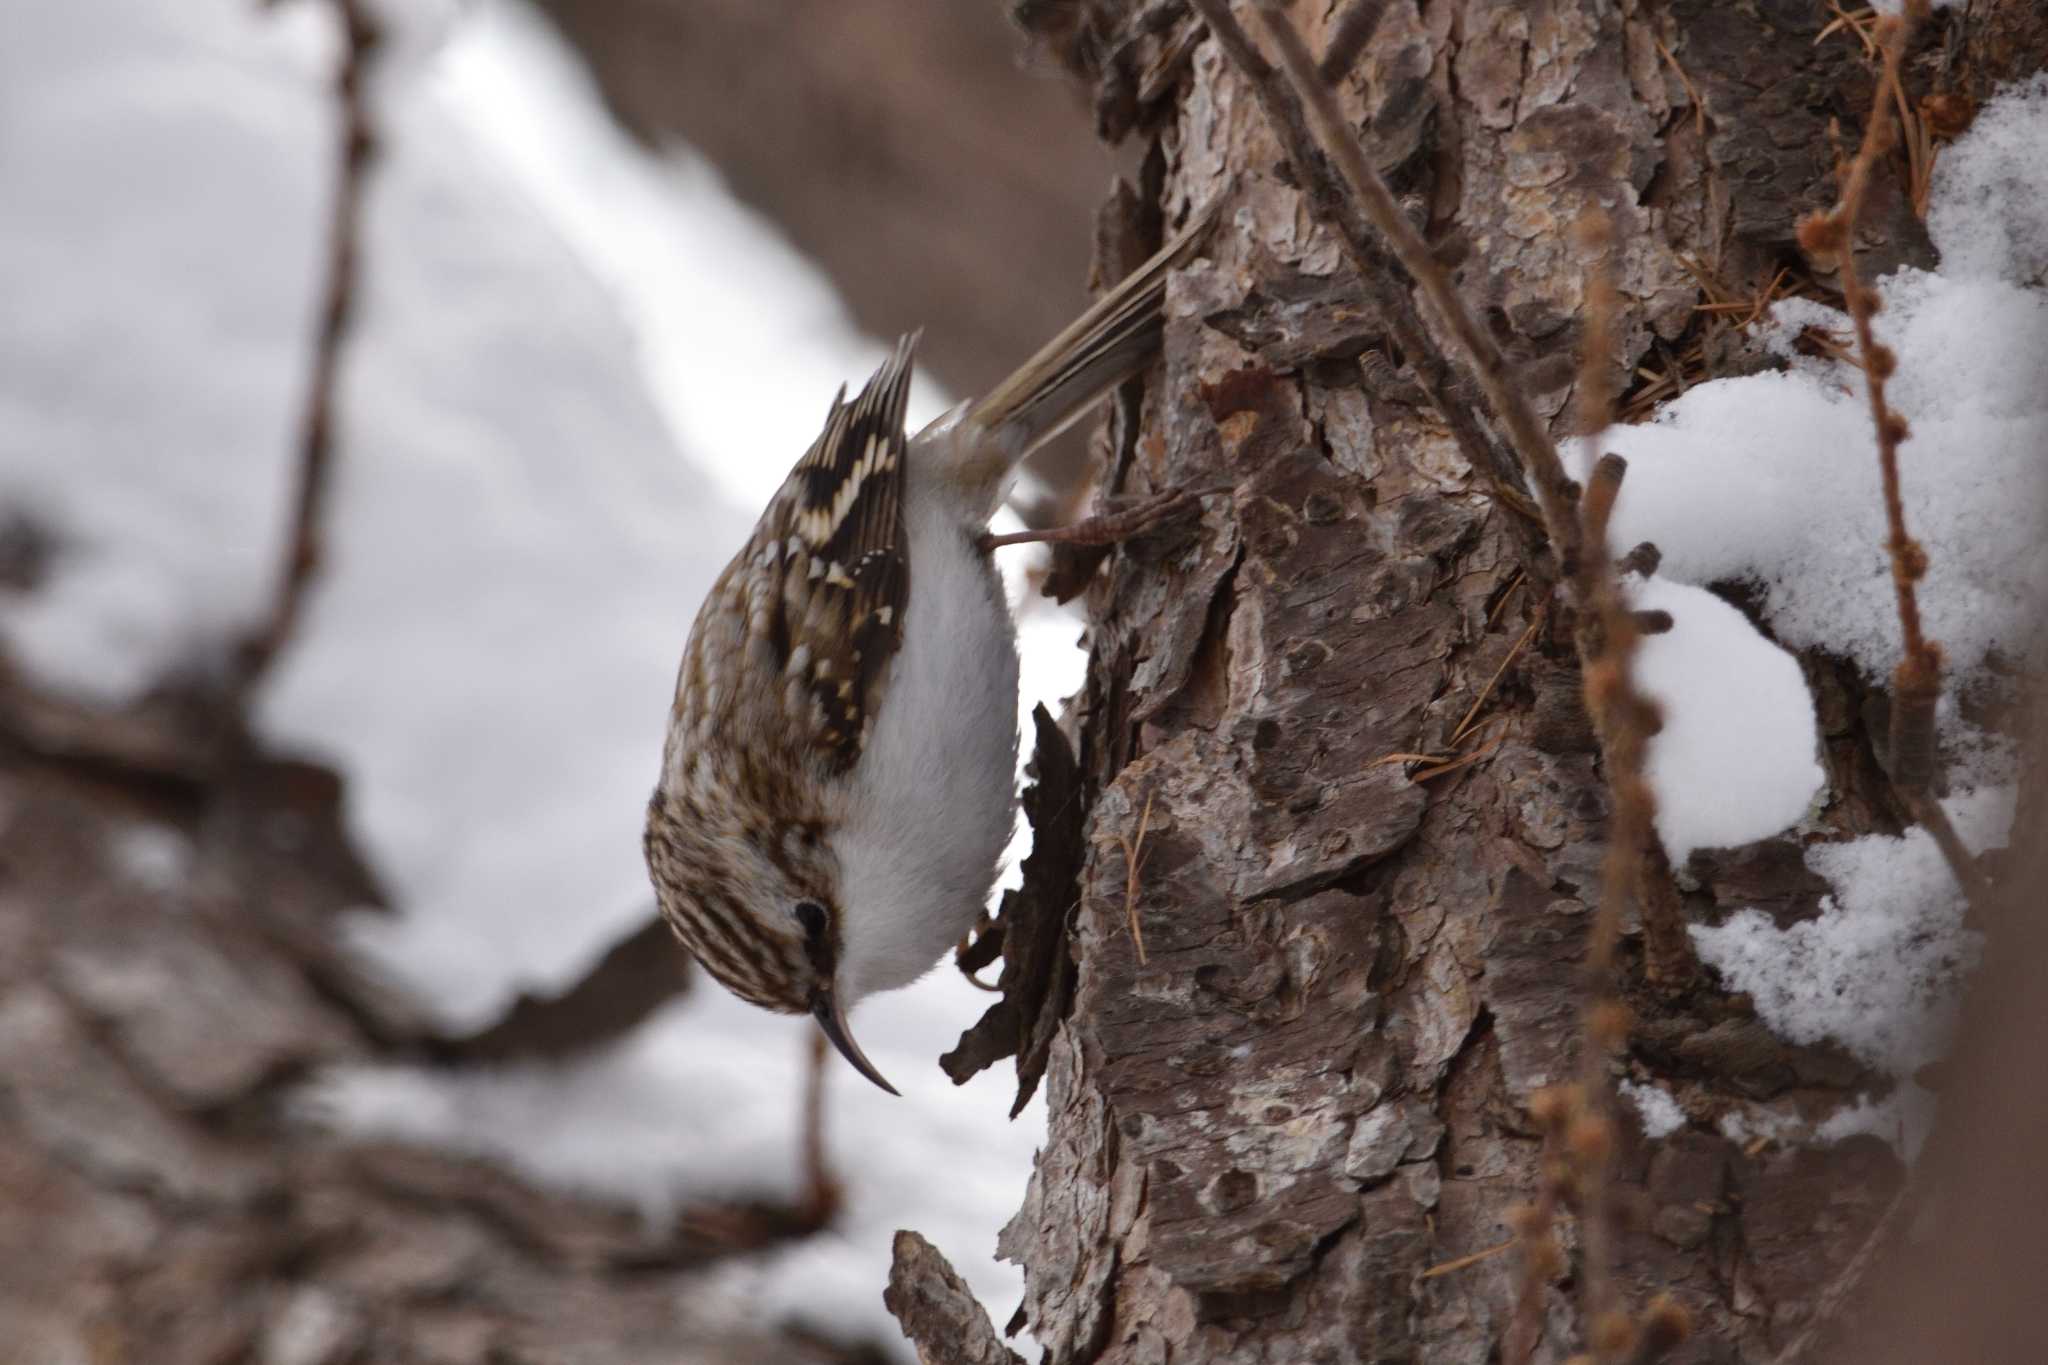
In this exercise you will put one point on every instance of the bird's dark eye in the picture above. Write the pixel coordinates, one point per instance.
(811, 916)
(818, 946)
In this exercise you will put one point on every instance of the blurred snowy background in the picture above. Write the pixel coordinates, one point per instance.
(579, 369)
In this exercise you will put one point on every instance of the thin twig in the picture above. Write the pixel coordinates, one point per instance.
(1471, 1259)
(316, 424)
(1626, 720)
(1908, 558)
(1134, 867)
(1916, 682)
(821, 1195)
(1472, 714)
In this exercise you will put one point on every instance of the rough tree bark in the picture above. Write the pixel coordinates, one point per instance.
(1289, 1075)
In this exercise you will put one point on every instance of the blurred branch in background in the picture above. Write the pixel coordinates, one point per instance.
(902, 145)
(184, 731)
(1959, 1276)
(360, 39)
(637, 975)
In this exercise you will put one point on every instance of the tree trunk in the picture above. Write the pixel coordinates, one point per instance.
(1288, 1063)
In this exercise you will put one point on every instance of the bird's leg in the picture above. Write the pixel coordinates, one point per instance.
(1109, 528)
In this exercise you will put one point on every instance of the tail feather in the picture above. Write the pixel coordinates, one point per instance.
(1113, 340)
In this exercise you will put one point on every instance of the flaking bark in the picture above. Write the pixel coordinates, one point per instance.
(1311, 1087)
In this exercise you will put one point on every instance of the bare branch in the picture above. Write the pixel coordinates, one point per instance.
(821, 1196)
(1916, 682)
(636, 976)
(337, 311)
(937, 1310)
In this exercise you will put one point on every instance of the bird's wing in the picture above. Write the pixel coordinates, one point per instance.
(834, 614)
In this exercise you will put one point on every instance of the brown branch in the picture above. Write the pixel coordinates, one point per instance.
(337, 310)
(937, 1311)
(1625, 720)
(637, 975)
(1634, 866)
(821, 1195)
(1835, 231)
(1916, 682)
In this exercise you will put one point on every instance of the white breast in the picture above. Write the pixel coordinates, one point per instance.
(934, 795)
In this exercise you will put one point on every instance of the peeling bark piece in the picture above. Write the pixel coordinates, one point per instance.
(1293, 319)
(1396, 1132)
(1322, 607)
(1037, 977)
(1538, 943)
(939, 1313)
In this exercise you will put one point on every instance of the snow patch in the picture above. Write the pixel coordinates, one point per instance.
(1876, 970)
(1655, 1106)
(1737, 759)
(1772, 479)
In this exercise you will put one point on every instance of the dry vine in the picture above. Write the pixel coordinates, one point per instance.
(1916, 682)
(360, 39)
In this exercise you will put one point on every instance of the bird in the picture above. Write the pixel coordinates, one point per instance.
(838, 779)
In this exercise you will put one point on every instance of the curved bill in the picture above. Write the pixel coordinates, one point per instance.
(825, 1008)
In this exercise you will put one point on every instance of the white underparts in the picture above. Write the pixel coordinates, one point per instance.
(933, 801)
